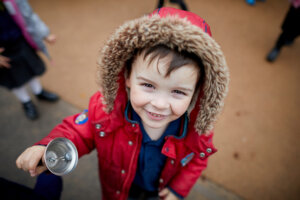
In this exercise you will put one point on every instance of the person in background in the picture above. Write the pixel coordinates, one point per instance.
(252, 2)
(21, 34)
(290, 30)
(163, 80)
(181, 3)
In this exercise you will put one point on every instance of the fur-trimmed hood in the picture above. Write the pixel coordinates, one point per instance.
(173, 28)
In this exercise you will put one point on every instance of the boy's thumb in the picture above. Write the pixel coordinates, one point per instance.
(163, 193)
(40, 169)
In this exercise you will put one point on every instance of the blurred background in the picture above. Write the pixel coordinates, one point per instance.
(257, 134)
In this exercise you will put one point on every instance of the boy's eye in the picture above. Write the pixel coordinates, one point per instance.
(147, 85)
(178, 92)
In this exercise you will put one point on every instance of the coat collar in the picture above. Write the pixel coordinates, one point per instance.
(184, 123)
(173, 28)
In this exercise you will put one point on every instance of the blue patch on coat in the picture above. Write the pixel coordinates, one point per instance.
(187, 159)
(82, 118)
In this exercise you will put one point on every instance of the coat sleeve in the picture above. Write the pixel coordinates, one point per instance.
(35, 26)
(183, 182)
(189, 172)
(81, 134)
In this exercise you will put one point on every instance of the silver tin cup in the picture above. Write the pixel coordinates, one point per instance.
(61, 156)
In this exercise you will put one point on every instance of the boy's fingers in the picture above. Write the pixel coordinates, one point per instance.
(32, 163)
(32, 173)
(40, 169)
(20, 160)
(29, 159)
(26, 159)
(34, 159)
(164, 192)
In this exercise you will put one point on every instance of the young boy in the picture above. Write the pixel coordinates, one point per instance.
(163, 80)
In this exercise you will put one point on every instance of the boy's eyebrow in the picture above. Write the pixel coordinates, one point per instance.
(185, 89)
(144, 79)
(179, 88)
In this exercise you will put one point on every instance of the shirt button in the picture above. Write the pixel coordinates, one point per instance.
(98, 126)
(202, 154)
(130, 143)
(208, 150)
(133, 125)
(123, 171)
(102, 134)
(118, 192)
(161, 180)
(167, 149)
(172, 162)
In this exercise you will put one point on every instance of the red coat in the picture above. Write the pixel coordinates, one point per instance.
(118, 141)
(118, 144)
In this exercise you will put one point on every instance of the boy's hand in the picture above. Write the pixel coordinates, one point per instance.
(51, 38)
(4, 61)
(30, 158)
(166, 194)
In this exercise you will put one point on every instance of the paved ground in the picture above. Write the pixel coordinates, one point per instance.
(18, 133)
(257, 134)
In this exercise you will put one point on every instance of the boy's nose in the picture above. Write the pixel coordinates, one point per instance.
(160, 102)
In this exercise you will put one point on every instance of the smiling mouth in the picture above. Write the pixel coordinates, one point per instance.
(156, 116)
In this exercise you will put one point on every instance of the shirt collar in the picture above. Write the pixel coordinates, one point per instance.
(174, 125)
(172, 129)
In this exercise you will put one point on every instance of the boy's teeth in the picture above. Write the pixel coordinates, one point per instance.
(156, 115)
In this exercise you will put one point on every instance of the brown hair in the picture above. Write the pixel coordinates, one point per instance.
(178, 60)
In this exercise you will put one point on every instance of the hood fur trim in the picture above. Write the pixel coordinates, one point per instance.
(173, 32)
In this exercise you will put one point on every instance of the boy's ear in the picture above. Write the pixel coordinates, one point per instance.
(127, 82)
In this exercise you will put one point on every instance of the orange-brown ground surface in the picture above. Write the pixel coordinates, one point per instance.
(257, 134)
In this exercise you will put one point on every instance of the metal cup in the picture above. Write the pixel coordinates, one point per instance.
(61, 156)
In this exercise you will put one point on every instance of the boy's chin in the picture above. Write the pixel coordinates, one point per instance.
(155, 125)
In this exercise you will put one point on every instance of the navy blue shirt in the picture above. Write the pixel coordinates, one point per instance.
(151, 161)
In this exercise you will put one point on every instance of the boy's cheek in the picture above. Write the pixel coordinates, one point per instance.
(181, 107)
(138, 97)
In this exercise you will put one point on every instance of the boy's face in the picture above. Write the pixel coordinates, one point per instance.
(157, 99)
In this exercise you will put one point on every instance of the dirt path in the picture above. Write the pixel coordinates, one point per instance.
(258, 133)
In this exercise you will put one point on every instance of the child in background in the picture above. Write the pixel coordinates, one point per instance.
(252, 2)
(290, 30)
(181, 3)
(162, 80)
(21, 34)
